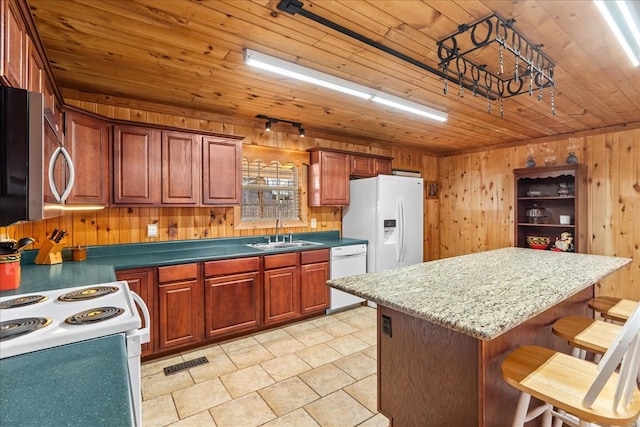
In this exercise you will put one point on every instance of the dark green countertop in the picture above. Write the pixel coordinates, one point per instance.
(103, 261)
(66, 386)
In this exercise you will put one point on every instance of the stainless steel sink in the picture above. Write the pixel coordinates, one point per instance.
(279, 245)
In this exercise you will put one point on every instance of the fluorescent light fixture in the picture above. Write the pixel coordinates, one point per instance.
(409, 106)
(298, 72)
(624, 26)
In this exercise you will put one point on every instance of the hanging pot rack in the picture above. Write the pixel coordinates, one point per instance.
(456, 67)
(532, 72)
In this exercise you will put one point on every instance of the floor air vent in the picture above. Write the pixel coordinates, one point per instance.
(169, 370)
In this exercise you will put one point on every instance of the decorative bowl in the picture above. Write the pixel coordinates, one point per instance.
(536, 242)
(534, 193)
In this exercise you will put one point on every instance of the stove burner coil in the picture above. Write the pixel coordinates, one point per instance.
(93, 315)
(23, 301)
(14, 328)
(88, 293)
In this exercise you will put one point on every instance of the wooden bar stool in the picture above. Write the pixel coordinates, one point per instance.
(612, 308)
(578, 392)
(586, 335)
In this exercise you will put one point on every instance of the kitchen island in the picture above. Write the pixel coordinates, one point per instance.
(445, 326)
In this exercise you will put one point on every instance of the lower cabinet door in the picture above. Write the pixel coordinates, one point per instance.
(281, 294)
(179, 314)
(314, 292)
(232, 304)
(140, 281)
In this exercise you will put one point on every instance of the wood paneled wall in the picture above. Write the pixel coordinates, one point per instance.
(476, 203)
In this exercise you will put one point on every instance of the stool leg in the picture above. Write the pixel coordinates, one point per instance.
(520, 416)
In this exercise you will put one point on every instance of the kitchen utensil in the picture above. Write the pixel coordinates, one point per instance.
(60, 236)
(23, 243)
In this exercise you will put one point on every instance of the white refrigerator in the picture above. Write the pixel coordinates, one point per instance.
(387, 210)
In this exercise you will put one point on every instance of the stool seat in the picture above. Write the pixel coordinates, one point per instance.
(612, 308)
(587, 334)
(563, 381)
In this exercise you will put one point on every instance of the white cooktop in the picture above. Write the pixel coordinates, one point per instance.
(54, 313)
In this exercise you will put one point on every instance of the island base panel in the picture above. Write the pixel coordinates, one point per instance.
(429, 375)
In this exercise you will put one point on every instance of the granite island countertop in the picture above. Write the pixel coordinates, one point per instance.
(483, 294)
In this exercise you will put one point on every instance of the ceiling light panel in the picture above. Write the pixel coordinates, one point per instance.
(623, 18)
(308, 75)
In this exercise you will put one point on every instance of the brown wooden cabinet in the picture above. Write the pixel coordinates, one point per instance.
(202, 302)
(13, 62)
(141, 282)
(180, 168)
(221, 171)
(330, 171)
(232, 296)
(328, 179)
(172, 168)
(35, 69)
(364, 166)
(382, 165)
(314, 273)
(281, 287)
(179, 306)
(554, 191)
(87, 140)
(136, 165)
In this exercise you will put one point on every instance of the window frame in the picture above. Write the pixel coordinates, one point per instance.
(269, 155)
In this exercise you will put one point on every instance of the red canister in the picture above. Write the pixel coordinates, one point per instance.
(9, 272)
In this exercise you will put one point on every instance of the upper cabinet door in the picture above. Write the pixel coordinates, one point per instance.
(87, 140)
(329, 178)
(221, 171)
(13, 61)
(180, 168)
(136, 165)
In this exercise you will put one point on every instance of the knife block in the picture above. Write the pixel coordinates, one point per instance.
(51, 252)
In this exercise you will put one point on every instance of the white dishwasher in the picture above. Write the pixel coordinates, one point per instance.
(346, 261)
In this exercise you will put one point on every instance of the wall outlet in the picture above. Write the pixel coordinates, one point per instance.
(314, 224)
(152, 230)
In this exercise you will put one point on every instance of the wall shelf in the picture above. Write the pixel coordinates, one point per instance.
(547, 182)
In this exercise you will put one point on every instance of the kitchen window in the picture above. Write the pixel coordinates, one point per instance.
(274, 183)
(270, 190)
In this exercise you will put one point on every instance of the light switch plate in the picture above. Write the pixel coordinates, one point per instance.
(152, 230)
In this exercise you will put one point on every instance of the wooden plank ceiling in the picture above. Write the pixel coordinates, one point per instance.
(188, 55)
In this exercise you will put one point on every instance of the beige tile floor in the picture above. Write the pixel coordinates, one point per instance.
(319, 372)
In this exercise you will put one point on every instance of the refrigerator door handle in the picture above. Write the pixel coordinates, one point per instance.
(401, 243)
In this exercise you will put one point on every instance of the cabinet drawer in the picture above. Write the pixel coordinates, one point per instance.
(309, 257)
(231, 266)
(177, 272)
(280, 260)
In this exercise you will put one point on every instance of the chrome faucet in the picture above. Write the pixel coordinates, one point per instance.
(277, 225)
